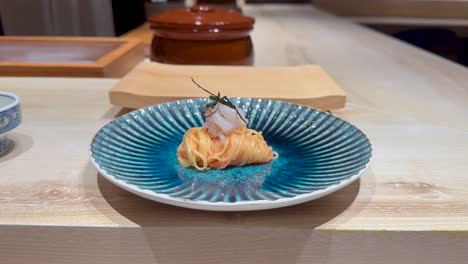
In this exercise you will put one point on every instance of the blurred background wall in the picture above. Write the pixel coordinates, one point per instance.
(71, 17)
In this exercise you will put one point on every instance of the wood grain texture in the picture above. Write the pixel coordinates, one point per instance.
(151, 83)
(68, 57)
(411, 206)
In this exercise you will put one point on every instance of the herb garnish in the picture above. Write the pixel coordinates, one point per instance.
(218, 99)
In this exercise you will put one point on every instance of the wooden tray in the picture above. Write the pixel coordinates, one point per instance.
(68, 56)
(151, 83)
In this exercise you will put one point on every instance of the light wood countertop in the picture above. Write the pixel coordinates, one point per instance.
(402, 8)
(412, 105)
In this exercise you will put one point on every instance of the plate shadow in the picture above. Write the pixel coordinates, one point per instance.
(19, 144)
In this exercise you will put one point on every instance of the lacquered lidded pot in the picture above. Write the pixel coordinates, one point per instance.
(202, 35)
(10, 118)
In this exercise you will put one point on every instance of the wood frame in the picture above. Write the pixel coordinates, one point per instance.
(115, 63)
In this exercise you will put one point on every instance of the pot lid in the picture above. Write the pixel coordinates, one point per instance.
(201, 17)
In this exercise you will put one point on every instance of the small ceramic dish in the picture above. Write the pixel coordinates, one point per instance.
(10, 118)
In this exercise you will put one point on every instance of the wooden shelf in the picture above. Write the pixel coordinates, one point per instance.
(395, 24)
(447, 22)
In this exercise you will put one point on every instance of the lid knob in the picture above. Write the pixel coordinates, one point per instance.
(201, 8)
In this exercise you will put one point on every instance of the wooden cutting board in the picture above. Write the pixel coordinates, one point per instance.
(151, 83)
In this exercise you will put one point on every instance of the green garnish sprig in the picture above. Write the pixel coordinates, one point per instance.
(217, 98)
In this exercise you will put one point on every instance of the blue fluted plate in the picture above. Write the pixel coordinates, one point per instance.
(318, 154)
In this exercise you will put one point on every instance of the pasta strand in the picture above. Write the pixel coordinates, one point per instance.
(242, 147)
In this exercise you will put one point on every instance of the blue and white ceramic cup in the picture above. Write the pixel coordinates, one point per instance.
(10, 118)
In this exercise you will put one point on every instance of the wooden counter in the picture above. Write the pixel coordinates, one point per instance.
(411, 206)
(392, 16)
(445, 9)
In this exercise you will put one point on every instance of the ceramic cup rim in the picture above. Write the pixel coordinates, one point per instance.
(11, 105)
